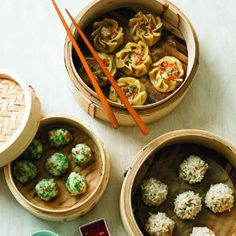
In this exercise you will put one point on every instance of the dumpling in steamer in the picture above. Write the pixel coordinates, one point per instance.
(219, 198)
(134, 59)
(108, 61)
(166, 74)
(47, 189)
(76, 184)
(154, 192)
(107, 35)
(145, 27)
(132, 88)
(159, 225)
(24, 171)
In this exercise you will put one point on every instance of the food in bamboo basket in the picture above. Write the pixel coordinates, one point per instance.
(193, 169)
(76, 184)
(132, 88)
(166, 74)
(107, 35)
(34, 151)
(47, 189)
(178, 39)
(163, 164)
(24, 171)
(57, 164)
(108, 61)
(219, 198)
(154, 192)
(159, 225)
(59, 137)
(82, 154)
(202, 231)
(145, 27)
(187, 205)
(134, 59)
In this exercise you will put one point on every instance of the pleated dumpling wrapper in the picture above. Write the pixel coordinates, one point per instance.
(145, 27)
(134, 59)
(132, 88)
(107, 35)
(108, 61)
(166, 74)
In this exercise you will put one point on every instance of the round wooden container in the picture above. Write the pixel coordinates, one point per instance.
(186, 49)
(20, 114)
(64, 207)
(183, 141)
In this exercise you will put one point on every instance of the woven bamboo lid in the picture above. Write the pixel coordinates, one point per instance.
(20, 114)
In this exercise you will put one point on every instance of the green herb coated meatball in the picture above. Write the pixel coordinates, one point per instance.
(34, 151)
(57, 164)
(76, 184)
(59, 137)
(82, 154)
(24, 171)
(47, 189)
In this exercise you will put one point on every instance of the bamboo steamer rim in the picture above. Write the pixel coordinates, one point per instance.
(164, 140)
(103, 179)
(92, 94)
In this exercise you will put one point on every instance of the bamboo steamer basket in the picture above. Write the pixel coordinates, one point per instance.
(21, 121)
(20, 115)
(175, 22)
(141, 166)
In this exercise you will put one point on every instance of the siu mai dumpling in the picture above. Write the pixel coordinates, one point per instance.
(132, 88)
(145, 27)
(134, 59)
(107, 35)
(108, 61)
(166, 74)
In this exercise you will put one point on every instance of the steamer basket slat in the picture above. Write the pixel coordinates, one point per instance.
(175, 24)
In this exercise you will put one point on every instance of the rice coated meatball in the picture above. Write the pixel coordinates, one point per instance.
(57, 164)
(159, 225)
(219, 198)
(24, 171)
(187, 205)
(47, 189)
(202, 231)
(193, 169)
(154, 192)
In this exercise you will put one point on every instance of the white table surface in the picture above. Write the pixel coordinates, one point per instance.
(31, 45)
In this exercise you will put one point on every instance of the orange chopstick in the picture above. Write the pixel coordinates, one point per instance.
(94, 82)
(123, 98)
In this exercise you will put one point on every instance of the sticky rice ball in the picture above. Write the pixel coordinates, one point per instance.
(193, 169)
(47, 189)
(34, 151)
(82, 154)
(219, 198)
(59, 137)
(57, 164)
(24, 171)
(202, 231)
(159, 225)
(76, 184)
(187, 205)
(154, 192)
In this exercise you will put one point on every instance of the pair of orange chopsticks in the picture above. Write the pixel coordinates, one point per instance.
(94, 82)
